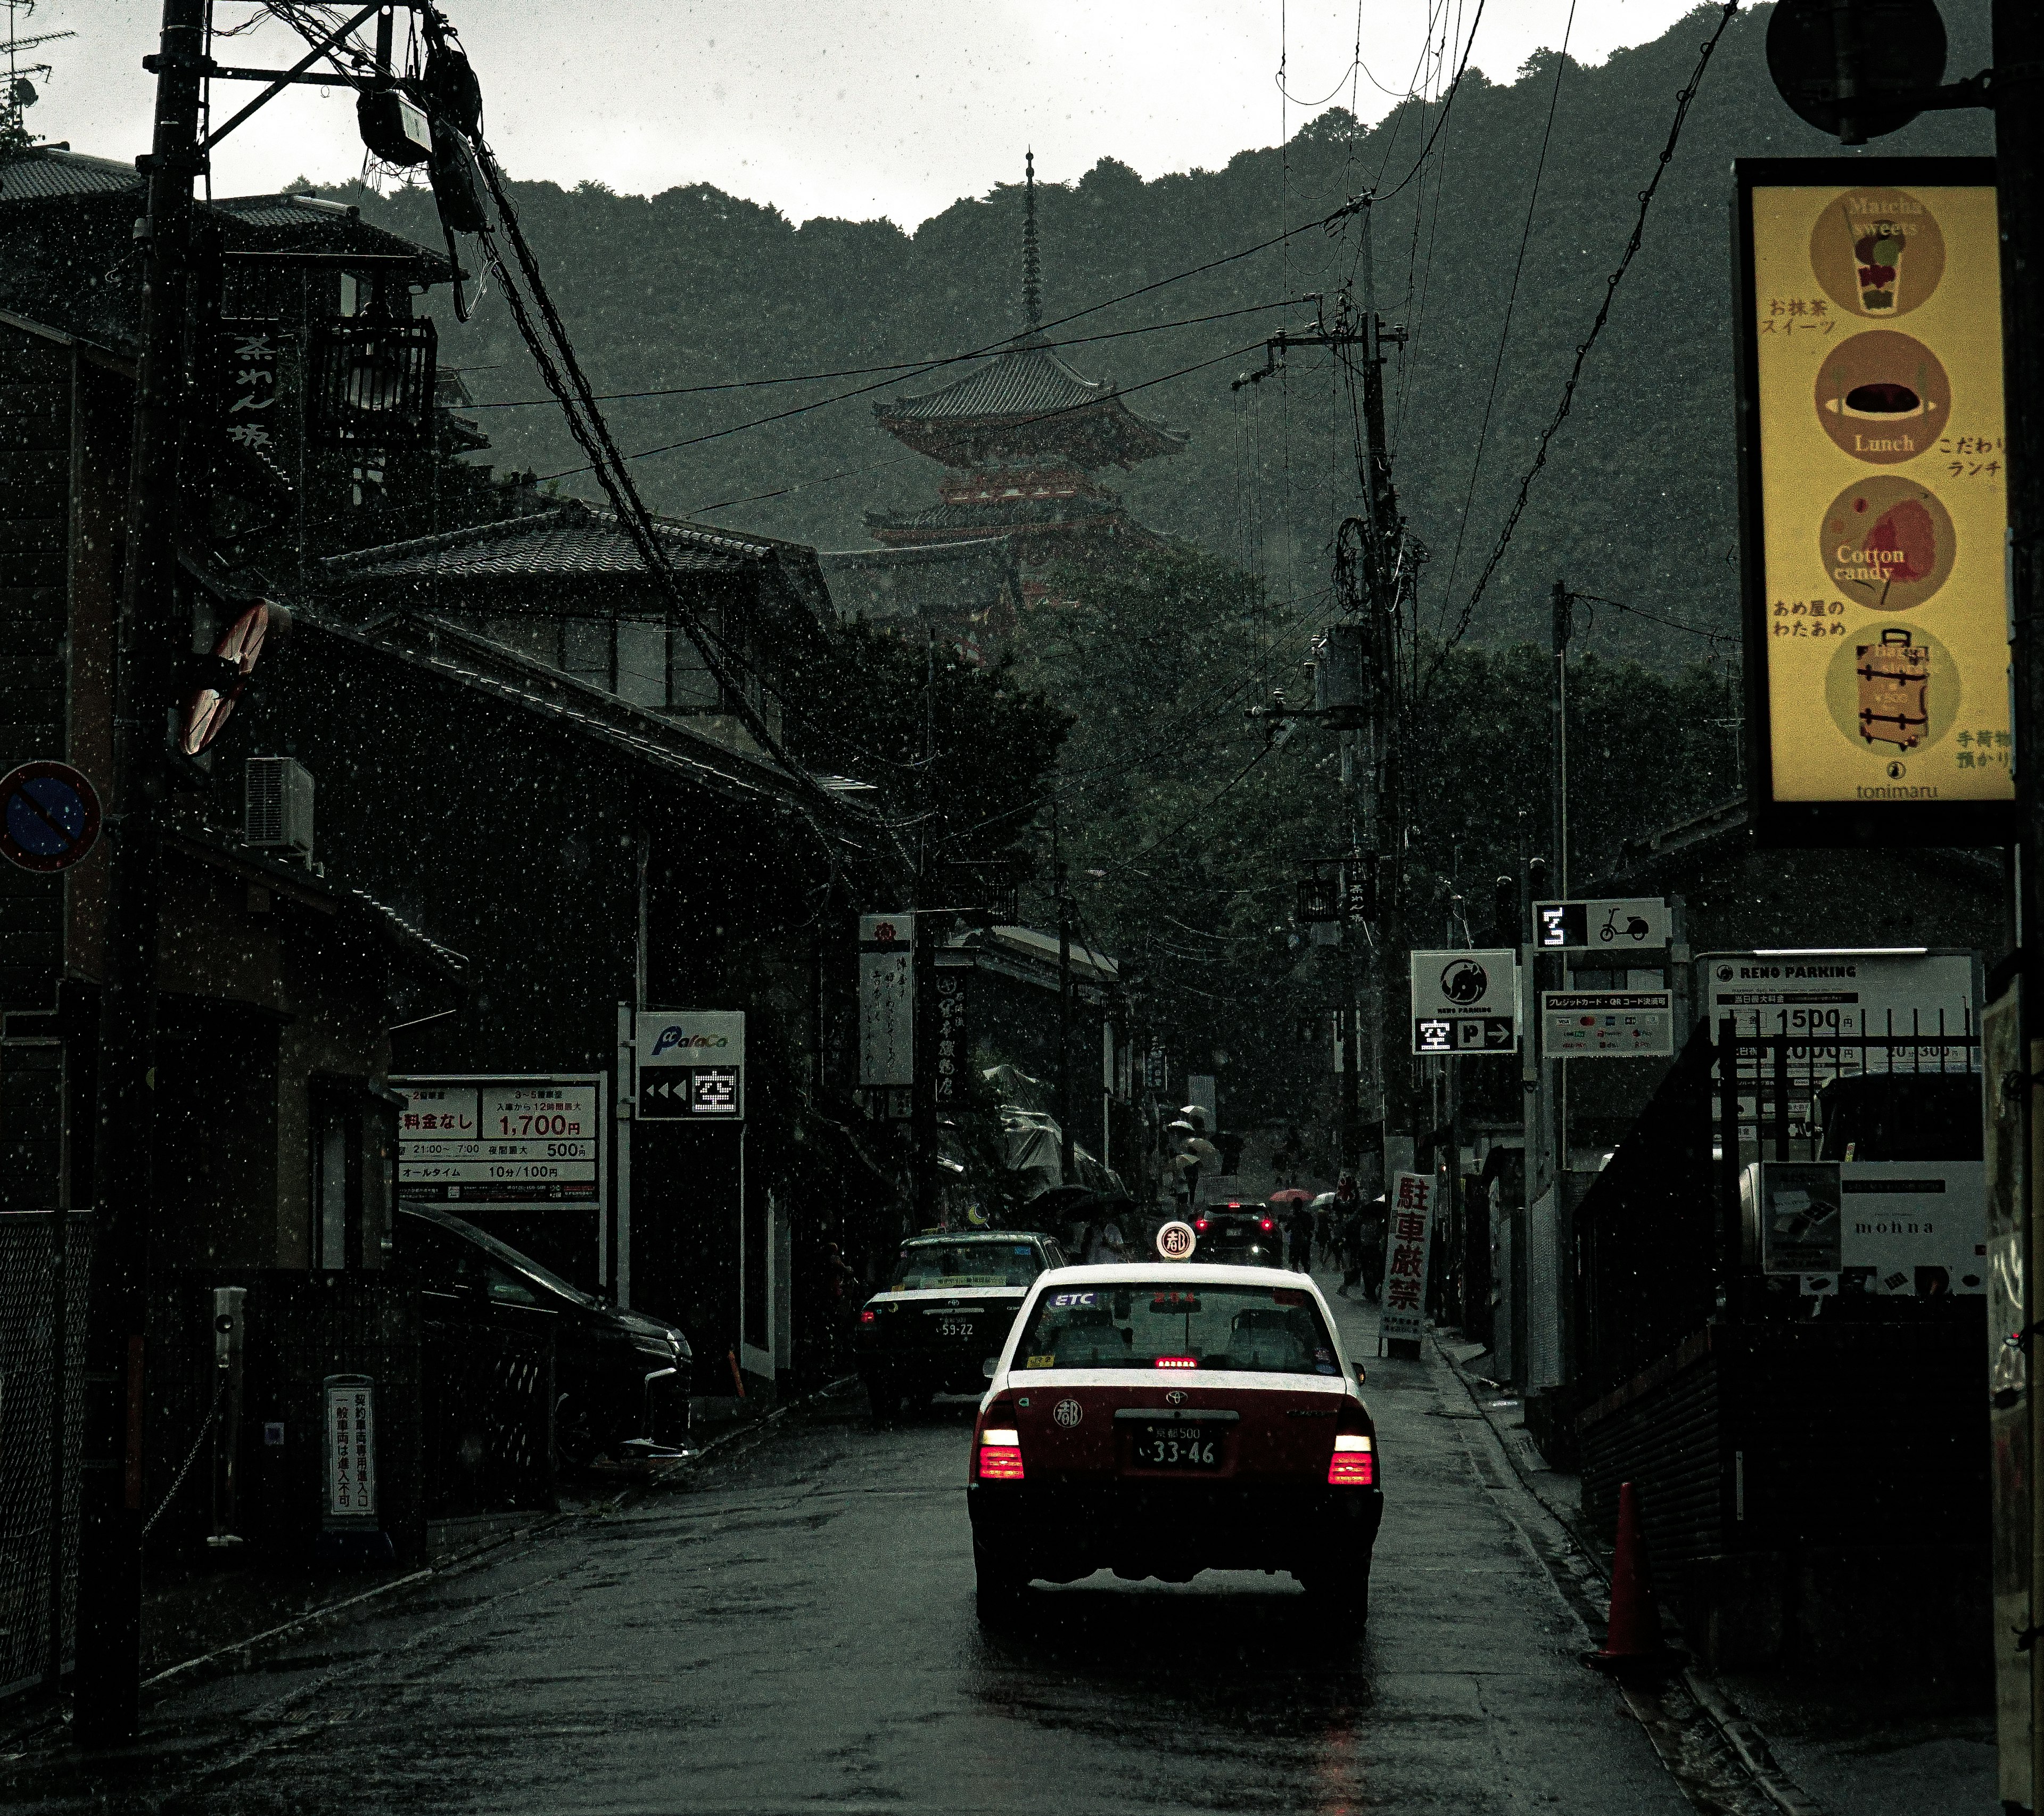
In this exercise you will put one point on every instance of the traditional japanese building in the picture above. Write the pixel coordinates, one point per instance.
(1023, 440)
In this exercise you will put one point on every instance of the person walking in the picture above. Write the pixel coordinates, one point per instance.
(1301, 1225)
(1347, 1220)
(1370, 1233)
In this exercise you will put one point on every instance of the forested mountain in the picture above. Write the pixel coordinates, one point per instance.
(694, 287)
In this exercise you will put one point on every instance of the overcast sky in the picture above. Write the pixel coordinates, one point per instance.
(855, 108)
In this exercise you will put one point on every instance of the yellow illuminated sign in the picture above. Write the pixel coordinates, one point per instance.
(1876, 502)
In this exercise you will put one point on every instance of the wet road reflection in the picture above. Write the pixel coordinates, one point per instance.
(794, 1628)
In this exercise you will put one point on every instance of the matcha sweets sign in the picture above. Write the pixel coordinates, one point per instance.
(1874, 502)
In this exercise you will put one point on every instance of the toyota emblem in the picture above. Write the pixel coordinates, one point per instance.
(1175, 1397)
(1068, 1413)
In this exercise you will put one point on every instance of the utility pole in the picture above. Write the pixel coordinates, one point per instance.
(1372, 572)
(2018, 148)
(1064, 1001)
(109, 1595)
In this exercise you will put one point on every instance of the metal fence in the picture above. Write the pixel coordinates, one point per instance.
(44, 1266)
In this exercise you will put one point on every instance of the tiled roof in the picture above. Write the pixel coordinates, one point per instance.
(567, 539)
(458, 656)
(1027, 379)
(47, 171)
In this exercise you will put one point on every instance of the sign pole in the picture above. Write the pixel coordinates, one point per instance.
(110, 1596)
(2019, 143)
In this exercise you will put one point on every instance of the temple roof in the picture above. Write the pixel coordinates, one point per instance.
(1026, 402)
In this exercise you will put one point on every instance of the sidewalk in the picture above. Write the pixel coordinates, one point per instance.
(1897, 1744)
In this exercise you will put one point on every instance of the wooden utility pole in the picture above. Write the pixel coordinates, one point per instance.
(110, 1596)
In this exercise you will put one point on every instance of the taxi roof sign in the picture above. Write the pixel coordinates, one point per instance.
(1177, 1241)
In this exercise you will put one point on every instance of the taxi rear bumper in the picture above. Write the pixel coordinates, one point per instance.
(1061, 1530)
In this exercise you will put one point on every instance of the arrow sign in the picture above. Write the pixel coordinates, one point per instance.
(49, 816)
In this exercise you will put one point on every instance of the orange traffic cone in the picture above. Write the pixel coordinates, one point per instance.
(1633, 1640)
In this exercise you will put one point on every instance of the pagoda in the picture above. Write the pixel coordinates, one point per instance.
(1022, 439)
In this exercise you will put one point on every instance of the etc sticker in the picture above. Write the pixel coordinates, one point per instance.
(1076, 1299)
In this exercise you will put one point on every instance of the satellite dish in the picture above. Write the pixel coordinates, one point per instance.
(225, 672)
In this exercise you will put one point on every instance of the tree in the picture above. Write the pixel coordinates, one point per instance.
(958, 751)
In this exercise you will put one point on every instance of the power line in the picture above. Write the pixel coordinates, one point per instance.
(1448, 107)
(992, 347)
(930, 364)
(1511, 302)
(822, 403)
(1714, 636)
(1683, 99)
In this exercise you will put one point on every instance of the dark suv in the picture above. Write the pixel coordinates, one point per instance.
(617, 1374)
(1246, 1235)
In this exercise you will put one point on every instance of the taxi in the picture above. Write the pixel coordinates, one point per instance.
(1158, 1419)
(945, 1313)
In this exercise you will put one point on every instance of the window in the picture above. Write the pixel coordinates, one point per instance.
(691, 687)
(365, 483)
(587, 650)
(927, 1265)
(642, 665)
(1245, 1329)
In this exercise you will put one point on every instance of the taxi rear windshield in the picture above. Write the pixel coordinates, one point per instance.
(927, 1265)
(1168, 1323)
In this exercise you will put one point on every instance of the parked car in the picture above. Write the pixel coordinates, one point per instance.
(618, 1375)
(944, 1313)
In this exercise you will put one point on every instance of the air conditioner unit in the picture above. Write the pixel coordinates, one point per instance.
(277, 807)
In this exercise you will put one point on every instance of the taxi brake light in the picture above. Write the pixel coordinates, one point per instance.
(1177, 1361)
(1353, 1464)
(1000, 1454)
(868, 1316)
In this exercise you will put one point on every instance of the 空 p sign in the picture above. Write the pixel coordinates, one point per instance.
(49, 816)
(689, 1065)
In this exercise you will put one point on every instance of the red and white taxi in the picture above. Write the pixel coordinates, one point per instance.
(1161, 1418)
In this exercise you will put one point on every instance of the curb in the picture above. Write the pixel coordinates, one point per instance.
(36, 1729)
(1747, 1745)
(453, 1561)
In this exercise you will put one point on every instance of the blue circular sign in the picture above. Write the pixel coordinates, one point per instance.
(49, 816)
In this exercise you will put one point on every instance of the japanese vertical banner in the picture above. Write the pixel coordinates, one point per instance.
(1874, 502)
(1408, 1239)
(251, 386)
(954, 1046)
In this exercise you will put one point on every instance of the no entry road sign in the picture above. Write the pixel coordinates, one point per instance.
(49, 816)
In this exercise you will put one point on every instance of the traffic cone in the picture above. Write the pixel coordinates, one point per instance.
(1632, 1642)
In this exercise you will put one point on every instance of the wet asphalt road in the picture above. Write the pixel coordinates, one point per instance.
(793, 1629)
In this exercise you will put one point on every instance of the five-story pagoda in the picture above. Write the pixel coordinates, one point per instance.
(1022, 439)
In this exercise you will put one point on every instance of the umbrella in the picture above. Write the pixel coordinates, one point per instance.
(1291, 1194)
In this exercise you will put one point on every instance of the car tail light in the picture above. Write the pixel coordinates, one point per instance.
(1000, 1454)
(1177, 1361)
(1354, 1463)
(1199, 1223)
(1268, 1224)
(868, 1316)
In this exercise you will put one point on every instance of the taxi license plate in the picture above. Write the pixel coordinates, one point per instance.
(1178, 1447)
(960, 1328)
